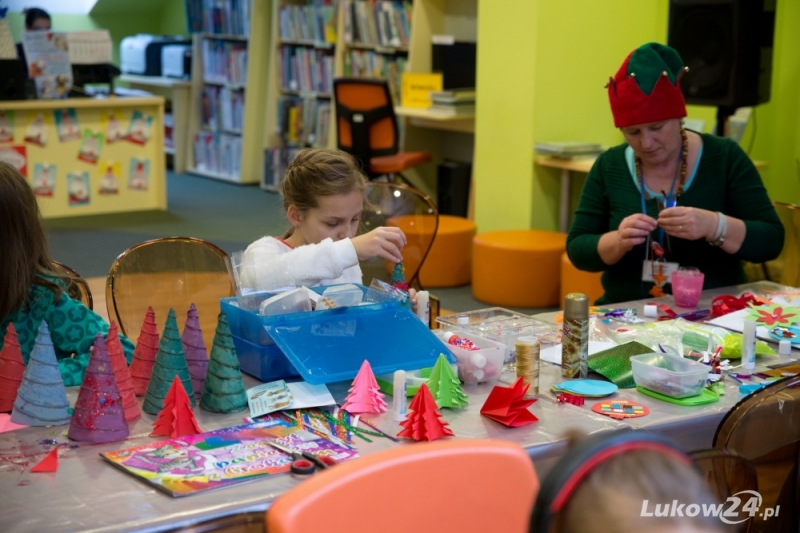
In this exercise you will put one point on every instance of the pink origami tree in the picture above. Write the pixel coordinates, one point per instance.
(144, 357)
(424, 419)
(123, 376)
(12, 367)
(195, 349)
(364, 396)
(176, 418)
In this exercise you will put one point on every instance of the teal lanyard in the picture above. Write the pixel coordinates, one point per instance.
(670, 200)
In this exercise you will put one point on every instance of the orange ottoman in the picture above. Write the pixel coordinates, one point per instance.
(517, 268)
(574, 280)
(449, 263)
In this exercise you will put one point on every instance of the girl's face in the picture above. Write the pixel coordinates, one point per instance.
(655, 142)
(337, 218)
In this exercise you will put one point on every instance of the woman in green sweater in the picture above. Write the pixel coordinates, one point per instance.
(669, 194)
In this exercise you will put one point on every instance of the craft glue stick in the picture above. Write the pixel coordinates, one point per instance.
(749, 346)
(399, 395)
(575, 337)
(424, 307)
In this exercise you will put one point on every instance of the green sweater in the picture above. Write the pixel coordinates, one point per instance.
(72, 325)
(725, 181)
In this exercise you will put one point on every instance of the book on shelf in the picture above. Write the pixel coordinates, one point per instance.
(453, 96)
(369, 64)
(276, 161)
(304, 69)
(219, 153)
(224, 62)
(315, 22)
(567, 148)
(303, 122)
(453, 110)
(377, 23)
(231, 17)
(222, 108)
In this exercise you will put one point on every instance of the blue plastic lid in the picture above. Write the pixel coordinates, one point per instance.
(332, 347)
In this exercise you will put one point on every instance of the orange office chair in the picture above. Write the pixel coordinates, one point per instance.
(77, 287)
(367, 127)
(490, 486)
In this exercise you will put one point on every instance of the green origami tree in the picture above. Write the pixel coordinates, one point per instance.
(223, 390)
(445, 386)
(170, 362)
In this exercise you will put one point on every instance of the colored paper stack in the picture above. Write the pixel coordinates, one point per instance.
(41, 398)
(176, 419)
(424, 419)
(12, 367)
(508, 405)
(170, 362)
(122, 374)
(195, 350)
(144, 357)
(364, 396)
(445, 386)
(223, 390)
(99, 415)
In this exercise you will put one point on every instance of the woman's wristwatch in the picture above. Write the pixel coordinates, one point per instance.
(722, 230)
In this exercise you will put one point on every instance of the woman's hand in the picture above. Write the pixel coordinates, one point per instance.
(633, 231)
(385, 242)
(688, 223)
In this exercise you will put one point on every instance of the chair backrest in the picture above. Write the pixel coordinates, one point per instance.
(727, 474)
(391, 204)
(171, 272)
(765, 429)
(77, 288)
(463, 485)
(366, 125)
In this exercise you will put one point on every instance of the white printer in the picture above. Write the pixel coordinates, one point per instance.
(176, 61)
(141, 54)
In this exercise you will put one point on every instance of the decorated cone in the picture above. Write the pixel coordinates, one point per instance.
(99, 415)
(223, 390)
(122, 374)
(170, 362)
(176, 419)
(364, 396)
(41, 398)
(195, 349)
(445, 386)
(12, 367)
(144, 357)
(423, 421)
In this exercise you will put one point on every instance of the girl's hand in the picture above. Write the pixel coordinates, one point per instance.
(385, 242)
(412, 293)
(688, 223)
(633, 231)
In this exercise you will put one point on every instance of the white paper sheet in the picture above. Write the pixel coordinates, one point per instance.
(553, 353)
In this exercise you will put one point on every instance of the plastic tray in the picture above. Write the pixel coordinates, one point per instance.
(266, 363)
(476, 366)
(669, 374)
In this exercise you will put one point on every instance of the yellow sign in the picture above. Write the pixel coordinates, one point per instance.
(417, 88)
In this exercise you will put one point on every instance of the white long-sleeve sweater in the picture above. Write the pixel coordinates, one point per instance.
(270, 264)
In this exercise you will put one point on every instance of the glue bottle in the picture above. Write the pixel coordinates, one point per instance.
(749, 347)
(399, 396)
(575, 337)
(424, 307)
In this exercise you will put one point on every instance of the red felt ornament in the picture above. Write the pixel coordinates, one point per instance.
(144, 357)
(508, 405)
(726, 304)
(176, 418)
(570, 398)
(124, 382)
(48, 464)
(12, 368)
(424, 419)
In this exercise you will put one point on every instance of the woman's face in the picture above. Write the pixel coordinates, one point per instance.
(40, 24)
(654, 142)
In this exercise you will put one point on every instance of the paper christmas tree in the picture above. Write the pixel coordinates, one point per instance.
(424, 419)
(170, 362)
(99, 415)
(12, 367)
(176, 419)
(48, 464)
(195, 349)
(445, 386)
(364, 396)
(41, 398)
(508, 405)
(144, 357)
(122, 374)
(223, 390)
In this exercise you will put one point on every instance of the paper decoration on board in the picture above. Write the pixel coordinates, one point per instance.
(6, 126)
(121, 373)
(36, 132)
(195, 349)
(7, 425)
(620, 409)
(91, 145)
(424, 421)
(176, 418)
(139, 177)
(109, 177)
(170, 362)
(48, 464)
(98, 416)
(508, 405)
(12, 368)
(41, 398)
(445, 386)
(44, 180)
(144, 356)
(773, 315)
(112, 126)
(223, 389)
(364, 396)
(78, 188)
(16, 156)
(140, 128)
(67, 125)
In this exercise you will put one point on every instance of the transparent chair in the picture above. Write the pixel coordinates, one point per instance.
(252, 522)
(77, 287)
(171, 272)
(786, 268)
(765, 429)
(727, 474)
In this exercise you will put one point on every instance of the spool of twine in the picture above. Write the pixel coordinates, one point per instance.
(527, 349)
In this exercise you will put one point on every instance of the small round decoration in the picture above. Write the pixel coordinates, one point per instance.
(620, 409)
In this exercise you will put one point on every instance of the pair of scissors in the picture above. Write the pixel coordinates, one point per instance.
(304, 463)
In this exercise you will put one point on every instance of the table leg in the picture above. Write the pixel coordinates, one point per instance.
(564, 201)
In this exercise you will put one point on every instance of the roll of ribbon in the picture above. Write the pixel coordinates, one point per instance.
(651, 311)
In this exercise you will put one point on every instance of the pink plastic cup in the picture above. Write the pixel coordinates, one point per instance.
(687, 284)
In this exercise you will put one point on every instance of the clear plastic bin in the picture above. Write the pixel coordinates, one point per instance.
(476, 366)
(669, 374)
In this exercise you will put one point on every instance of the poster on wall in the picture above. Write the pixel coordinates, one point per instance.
(112, 126)
(139, 177)
(67, 125)
(140, 128)
(36, 133)
(17, 156)
(44, 180)
(90, 146)
(78, 188)
(47, 54)
(109, 177)
(6, 126)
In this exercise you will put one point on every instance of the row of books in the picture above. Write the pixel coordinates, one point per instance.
(369, 64)
(230, 17)
(222, 108)
(224, 62)
(220, 153)
(453, 102)
(276, 161)
(304, 122)
(306, 69)
(314, 22)
(377, 22)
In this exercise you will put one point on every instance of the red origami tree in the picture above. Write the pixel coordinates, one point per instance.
(508, 405)
(195, 350)
(144, 357)
(124, 382)
(176, 418)
(424, 419)
(12, 367)
(364, 396)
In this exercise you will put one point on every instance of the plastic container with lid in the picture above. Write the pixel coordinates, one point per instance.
(475, 366)
(669, 374)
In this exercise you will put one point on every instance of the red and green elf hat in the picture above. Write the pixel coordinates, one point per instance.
(647, 86)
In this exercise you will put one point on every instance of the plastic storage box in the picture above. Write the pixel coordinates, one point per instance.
(669, 374)
(476, 366)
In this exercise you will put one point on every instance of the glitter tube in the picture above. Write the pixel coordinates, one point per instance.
(527, 350)
(575, 337)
